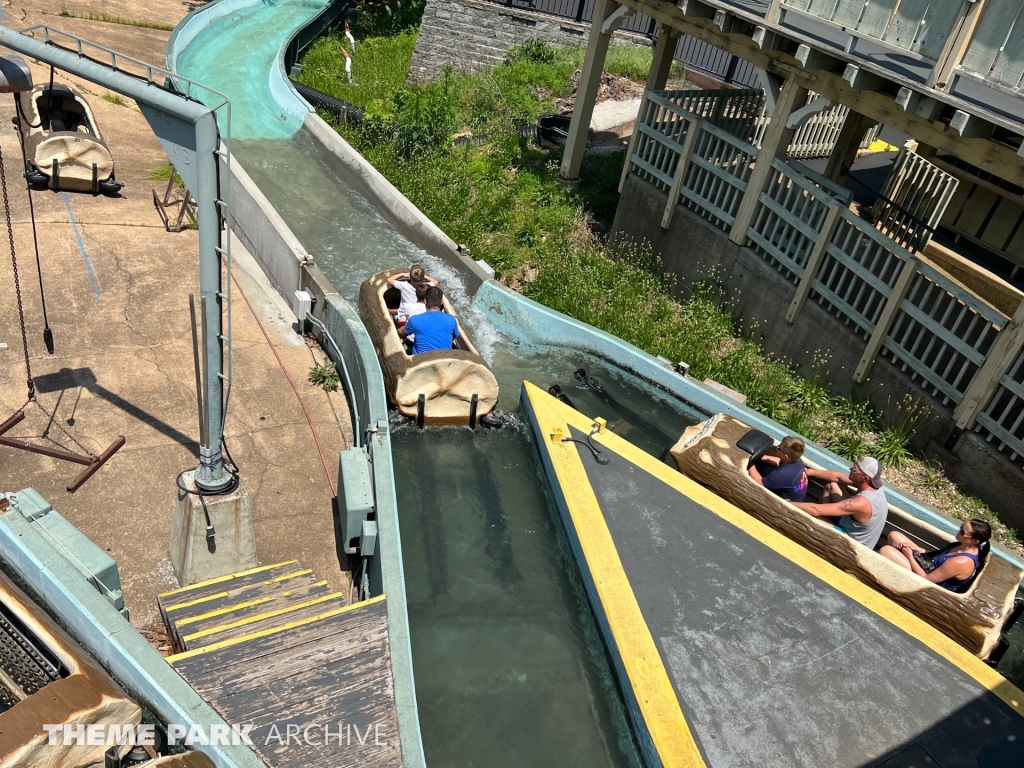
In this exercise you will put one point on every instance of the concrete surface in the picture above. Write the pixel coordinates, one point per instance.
(612, 114)
(203, 549)
(117, 290)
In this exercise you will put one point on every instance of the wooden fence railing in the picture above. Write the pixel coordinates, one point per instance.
(937, 330)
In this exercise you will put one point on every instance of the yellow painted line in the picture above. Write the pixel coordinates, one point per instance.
(644, 666)
(226, 609)
(321, 583)
(817, 566)
(220, 579)
(208, 598)
(293, 575)
(271, 631)
(261, 616)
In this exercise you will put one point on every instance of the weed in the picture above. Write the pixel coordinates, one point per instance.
(325, 375)
(851, 446)
(115, 98)
(533, 51)
(108, 19)
(160, 172)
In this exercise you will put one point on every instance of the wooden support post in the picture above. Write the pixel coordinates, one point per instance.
(814, 262)
(657, 78)
(774, 144)
(586, 94)
(885, 320)
(957, 43)
(661, 65)
(845, 150)
(689, 144)
(774, 11)
(1000, 357)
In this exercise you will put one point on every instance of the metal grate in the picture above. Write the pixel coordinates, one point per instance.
(26, 666)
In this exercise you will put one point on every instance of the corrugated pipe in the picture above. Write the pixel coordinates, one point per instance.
(350, 113)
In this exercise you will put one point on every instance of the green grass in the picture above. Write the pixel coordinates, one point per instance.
(503, 199)
(115, 98)
(108, 19)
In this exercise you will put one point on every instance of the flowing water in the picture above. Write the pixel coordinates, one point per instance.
(509, 667)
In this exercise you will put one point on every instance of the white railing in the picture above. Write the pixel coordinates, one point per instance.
(1003, 418)
(717, 175)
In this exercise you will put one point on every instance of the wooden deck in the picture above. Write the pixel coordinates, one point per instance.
(275, 650)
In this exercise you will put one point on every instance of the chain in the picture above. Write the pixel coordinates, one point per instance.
(21, 315)
(17, 280)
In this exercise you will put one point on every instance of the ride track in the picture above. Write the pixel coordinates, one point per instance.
(509, 663)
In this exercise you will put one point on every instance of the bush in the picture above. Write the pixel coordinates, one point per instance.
(533, 51)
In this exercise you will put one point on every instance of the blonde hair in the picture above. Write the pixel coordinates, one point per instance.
(792, 446)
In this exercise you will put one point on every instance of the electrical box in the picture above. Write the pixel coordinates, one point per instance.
(355, 496)
(368, 539)
(302, 303)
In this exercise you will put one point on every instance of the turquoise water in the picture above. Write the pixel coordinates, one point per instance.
(236, 54)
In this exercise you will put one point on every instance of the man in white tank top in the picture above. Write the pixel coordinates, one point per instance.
(860, 515)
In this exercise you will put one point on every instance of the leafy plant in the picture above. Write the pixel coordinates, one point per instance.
(325, 375)
(851, 446)
(533, 51)
(891, 448)
(115, 98)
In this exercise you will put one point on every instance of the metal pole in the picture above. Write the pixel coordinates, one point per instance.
(211, 474)
(199, 368)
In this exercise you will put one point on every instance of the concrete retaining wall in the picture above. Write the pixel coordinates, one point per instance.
(692, 250)
(468, 36)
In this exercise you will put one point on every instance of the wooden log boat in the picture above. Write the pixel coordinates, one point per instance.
(456, 385)
(63, 144)
(47, 678)
(708, 453)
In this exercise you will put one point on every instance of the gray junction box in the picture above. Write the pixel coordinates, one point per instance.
(355, 496)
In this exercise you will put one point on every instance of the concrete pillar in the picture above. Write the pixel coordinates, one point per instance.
(845, 150)
(586, 94)
(774, 144)
(664, 50)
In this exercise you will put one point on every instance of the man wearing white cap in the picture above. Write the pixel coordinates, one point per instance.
(860, 515)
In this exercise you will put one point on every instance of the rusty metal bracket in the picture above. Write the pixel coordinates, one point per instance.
(91, 463)
(186, 207)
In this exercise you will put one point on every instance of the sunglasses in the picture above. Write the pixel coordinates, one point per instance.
(963, 531)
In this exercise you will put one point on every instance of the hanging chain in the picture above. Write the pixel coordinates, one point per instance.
(17, 281)
(21, 316)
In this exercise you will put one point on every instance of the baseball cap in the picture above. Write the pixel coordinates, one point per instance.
(872, 468)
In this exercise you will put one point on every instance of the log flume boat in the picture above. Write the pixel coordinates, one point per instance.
(975, 619)
(446, 386)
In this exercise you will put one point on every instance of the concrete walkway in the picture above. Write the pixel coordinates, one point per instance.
(117, 290)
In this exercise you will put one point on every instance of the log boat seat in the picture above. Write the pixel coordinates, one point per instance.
(708, 453)
(457, 386)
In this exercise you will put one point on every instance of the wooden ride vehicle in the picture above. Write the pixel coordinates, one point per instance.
(708, 453)
(445, 386)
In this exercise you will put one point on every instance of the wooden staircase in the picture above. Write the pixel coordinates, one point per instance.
(274, 647)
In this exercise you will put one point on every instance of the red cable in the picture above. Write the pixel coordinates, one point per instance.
(316, 437)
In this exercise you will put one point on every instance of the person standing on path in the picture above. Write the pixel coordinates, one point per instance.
(348, 65)
(351, 39)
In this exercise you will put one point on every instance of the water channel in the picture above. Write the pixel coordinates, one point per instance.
(509, 666)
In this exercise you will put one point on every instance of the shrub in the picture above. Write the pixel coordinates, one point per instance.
(533, 51)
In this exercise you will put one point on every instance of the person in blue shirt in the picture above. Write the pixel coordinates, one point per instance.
(784, 473)
(433, 329)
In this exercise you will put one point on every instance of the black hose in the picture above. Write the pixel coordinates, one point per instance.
(343, 110)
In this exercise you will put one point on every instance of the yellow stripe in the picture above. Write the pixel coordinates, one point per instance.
(179, 606)
(648, 677)
(321, 583)
(271, 631)
(206, 599)
(818, 567)
(219, 579)
(225, 609)
(261, 616)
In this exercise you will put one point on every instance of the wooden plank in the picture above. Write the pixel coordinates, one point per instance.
(814, 262)
(1001, 434)
(999, 21)
(662, 177)
(682, 166)
(956, 45)
(976, 211)
(933, 379)
(1001, 356)
(923, 26)
(885, 320)
(875, 18)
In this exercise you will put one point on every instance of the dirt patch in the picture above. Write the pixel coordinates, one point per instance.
(613, 87)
